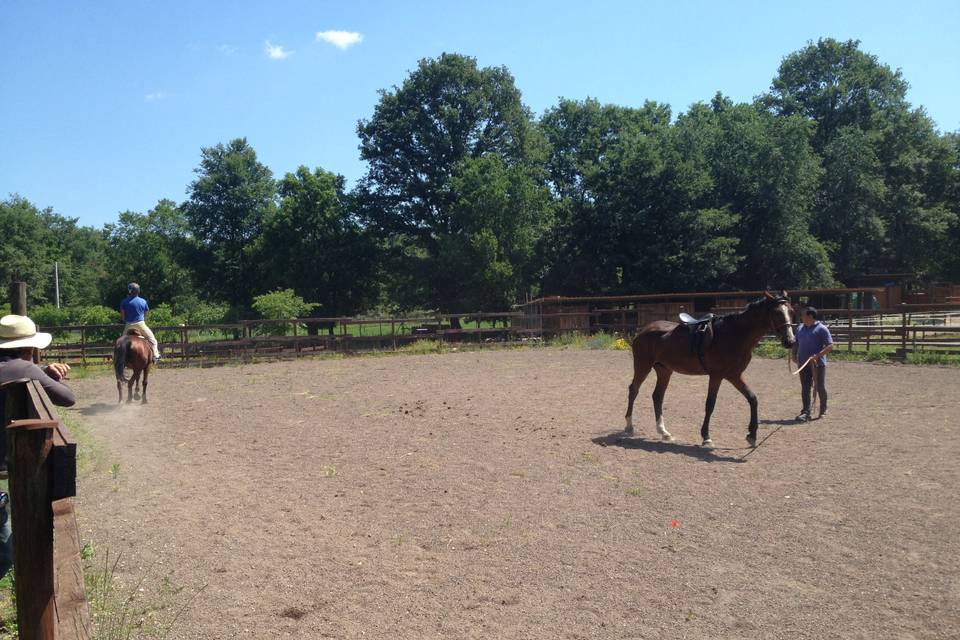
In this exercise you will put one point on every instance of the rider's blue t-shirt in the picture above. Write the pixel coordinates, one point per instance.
(134, 308)
(810, 340)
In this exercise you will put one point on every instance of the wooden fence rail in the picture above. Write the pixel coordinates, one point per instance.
(41, 453)
(908, 328)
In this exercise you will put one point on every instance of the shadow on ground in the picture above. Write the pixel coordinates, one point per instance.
(618, 439)
(100, 408)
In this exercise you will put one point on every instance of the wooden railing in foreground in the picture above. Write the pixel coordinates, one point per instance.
(42, 455)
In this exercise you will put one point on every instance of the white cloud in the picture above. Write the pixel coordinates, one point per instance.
(276, 51)
(340, 39)
(155, 95)
(227, 49)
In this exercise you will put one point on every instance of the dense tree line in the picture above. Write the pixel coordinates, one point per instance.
(471, 202)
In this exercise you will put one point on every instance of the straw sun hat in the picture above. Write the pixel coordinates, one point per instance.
(19, 332)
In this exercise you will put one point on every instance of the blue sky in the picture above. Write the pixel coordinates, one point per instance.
(104, 106)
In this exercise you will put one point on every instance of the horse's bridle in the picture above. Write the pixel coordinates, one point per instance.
(779, 328)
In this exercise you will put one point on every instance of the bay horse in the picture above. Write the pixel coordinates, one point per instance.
(668, 347)
(132, 350)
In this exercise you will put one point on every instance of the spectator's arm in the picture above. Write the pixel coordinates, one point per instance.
(60, 393)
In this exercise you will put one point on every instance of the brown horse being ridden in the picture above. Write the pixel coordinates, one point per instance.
(670, 347)
(132, 351)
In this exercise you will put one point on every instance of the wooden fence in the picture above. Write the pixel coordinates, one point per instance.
(905, 329)
(249, 340)
(41, 453)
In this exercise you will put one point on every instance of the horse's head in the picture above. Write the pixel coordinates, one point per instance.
(779, 312)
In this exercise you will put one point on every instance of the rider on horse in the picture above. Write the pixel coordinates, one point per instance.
(133, 312)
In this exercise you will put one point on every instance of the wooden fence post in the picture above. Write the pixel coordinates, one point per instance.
(18, 298)
(849, 323)
(28, 446)
(903, 338)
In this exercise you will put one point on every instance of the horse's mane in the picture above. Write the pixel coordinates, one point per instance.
(725, 319)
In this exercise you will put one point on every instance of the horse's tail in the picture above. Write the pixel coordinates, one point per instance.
(120, 351)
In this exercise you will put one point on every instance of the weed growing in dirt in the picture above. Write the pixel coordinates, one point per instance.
(635, 492)
(132, 613)
(422, 347)
(8, 609)
(598, 341)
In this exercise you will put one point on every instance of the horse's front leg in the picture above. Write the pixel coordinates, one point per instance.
(663, 379)
(712, 390)
(751, 397)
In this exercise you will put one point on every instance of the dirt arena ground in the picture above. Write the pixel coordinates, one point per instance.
(482, 495)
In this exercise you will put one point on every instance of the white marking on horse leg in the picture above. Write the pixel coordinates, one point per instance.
(662, 429)
(708, 443)
(629, 428)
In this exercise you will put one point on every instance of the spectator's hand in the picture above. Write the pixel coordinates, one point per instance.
(58, 370)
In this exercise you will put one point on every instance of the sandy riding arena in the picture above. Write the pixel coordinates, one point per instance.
(482, 495)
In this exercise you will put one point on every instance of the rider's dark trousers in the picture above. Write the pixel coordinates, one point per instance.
(806, 386)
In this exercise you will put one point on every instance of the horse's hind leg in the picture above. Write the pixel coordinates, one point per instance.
(146, 374)
(130, 383)
(663, 379)
(640, 372)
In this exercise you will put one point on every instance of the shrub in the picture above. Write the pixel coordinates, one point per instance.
(97, 314)
(48, 317)
(162, 316)
(282, 304)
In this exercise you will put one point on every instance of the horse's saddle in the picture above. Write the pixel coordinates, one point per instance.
(701, 334)
(686, 318)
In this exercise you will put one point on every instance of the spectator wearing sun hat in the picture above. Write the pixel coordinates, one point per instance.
(18, 340)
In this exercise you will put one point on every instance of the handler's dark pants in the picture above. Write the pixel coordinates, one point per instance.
(806, 385)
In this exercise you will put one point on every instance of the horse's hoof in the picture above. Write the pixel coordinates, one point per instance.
(752, 441)
(667, 437)
(708, 443)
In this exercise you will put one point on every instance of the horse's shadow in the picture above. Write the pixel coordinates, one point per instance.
(619, 439)
(99, 408)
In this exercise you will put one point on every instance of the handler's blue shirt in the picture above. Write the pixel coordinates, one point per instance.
(133, 308)
(810, 340)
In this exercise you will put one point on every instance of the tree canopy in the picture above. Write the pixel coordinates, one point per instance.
(472, 202)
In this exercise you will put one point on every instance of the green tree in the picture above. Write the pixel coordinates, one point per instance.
(151, 249)
(314, 244)
(491, 253)
(446, 112)
(835, 85)
(849, 217)
(25, 251)
(585, 252)
(766, 172)
(228, 202)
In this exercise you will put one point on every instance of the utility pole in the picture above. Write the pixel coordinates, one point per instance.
(56, 282)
